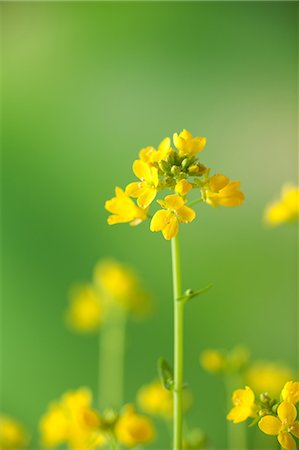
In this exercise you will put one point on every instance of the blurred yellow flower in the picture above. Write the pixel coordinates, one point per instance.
(146, 189)
(124, 210)
(183, 187)
(132, 429)
(68, 421)
(283, 426)
(150, 155)
(286, 209)
(119, 283)
(290, 392)
(213, 361)
(85, 309)
(220, 191)
(12, 434)
(244, 405)
(267, 377)
(154, 399)
(168, 219)
(188, 145)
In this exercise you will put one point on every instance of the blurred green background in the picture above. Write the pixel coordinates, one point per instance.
(85, 86)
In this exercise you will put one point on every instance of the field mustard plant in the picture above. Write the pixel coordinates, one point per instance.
(284, 210)
(103, 305)
(13, 435)
(275, 417)
(178, 170)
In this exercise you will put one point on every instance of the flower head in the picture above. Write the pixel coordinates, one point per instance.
(167, 220)
(146, 189)
(188, 145)
(132, 429)
(13, 435)
(155, 399)
(283, 426)
(123, 209)
(220, 191)
(150, 155)
(213, 361)
(85, 310)
(286, 209)
(290, 392)
(244, 405)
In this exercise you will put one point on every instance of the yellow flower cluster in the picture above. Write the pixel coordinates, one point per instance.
(178, 170)
(114, 285)
(13, 436)
(73, 422)
(274, 418)
(221, 361)
(286, 209)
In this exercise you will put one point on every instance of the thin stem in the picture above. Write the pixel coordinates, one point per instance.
(199, 200)
(111, 359)
(178, 345)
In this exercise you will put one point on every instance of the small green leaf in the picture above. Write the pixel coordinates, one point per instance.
(166, 374)
(191, 294)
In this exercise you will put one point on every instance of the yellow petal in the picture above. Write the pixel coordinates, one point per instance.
(186, 135)
(154, 176)
(287, 412)
(160, 220)
(295, 429)
(218, 182)
(178, 141)
(147, 196)
(239, 414)
(164, 145)
(119, 192)
(135, 189)
(113, 220)
(186, 214)
(142, 170)
(173, 202)
(183, 187)
(270, 425)
(286, 441)
(171, 229)
(290, 392)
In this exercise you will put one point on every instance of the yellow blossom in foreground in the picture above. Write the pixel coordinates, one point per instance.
(124, 210)
(220, 191)
(120, 284)
(267, 377)
(290, 392)
(168, 219)
(183, 187)
(132, 429)
(155, 399)
(284, 210)
(85, 310)
(146, 189)
(66, 423)
(188, 145)
(283, 426)
(213, 361)
(244, 405)
(150, 155)
(12, 434)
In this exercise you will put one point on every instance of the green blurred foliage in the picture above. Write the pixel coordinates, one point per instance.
(85, 86)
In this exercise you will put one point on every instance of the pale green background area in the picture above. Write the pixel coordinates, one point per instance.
(86, 85)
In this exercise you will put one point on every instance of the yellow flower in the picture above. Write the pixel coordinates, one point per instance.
(284, 210)
(150, 155)
(282, 426)
(221, 191)
(183, 187)
(167, 220)
(85, 310)
(188, 145)
(132, 429)
(124, 210)
(120, 284)
(290, 392)
(68, 422)
(12, 434)
(268, 377)
(213, 361)
(146, 189)
(244, 405)
(154, 399)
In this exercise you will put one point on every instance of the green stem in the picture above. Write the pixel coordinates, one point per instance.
(111, 359)
(178, 345)
(236, 433)
(199, 200)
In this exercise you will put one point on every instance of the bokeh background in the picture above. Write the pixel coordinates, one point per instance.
(85, 86)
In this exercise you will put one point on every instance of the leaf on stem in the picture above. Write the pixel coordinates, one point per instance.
(165, 374)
